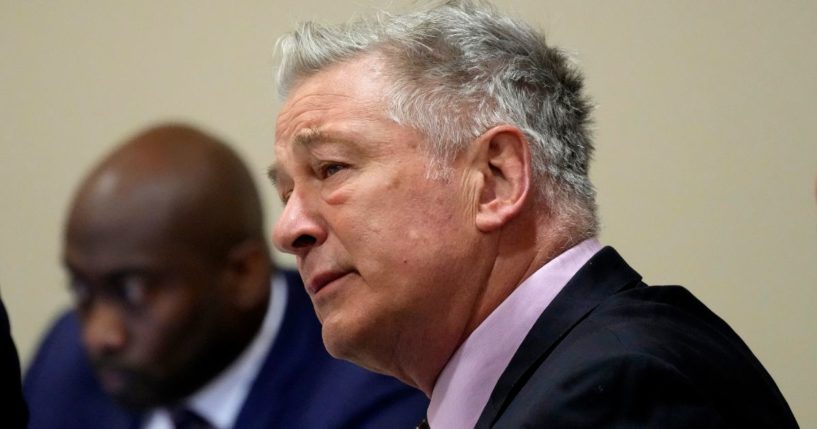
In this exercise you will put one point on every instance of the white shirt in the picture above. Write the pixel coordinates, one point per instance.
(220, 400)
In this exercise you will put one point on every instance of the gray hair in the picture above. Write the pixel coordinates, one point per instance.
(458, 69)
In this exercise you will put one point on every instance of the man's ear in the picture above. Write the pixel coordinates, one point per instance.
(503, 158)
(248, 270)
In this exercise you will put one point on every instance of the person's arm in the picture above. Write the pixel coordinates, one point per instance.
(14, 407)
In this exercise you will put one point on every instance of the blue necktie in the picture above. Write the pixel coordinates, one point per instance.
(184, 418)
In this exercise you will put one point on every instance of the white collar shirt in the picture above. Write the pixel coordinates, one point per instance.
(220, 400)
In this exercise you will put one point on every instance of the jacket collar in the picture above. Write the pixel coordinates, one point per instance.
(602, 276)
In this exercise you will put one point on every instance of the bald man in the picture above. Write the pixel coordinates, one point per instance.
(176, 322)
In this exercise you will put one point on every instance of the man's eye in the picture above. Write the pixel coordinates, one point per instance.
(132, 290)
(328, 170)
(285, 196)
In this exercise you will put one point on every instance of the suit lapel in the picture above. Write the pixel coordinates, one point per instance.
(602, 276)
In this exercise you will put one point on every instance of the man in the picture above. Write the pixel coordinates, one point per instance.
(433, 167)
(13, 406)
(176, 323)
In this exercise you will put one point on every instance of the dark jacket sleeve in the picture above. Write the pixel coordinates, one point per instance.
(14, 408)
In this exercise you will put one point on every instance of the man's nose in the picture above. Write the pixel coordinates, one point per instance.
(103, 329)
(300, 227)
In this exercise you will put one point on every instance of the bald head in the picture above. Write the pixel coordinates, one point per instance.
(169, 266)
(174, 179)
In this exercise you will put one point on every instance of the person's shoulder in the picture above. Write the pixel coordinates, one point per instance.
(665, 325)
(60, 348)
(60, 386)
(663, 350)
(653, 319)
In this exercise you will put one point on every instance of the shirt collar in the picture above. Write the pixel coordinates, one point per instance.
(220, 400)
(469, 377)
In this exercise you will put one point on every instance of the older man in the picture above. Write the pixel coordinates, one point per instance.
(433, 167)
(177, 323)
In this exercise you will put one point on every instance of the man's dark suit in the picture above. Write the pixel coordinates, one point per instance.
(11, 398)
(299, 385)
(610, 352)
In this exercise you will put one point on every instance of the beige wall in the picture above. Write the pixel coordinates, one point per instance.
(707, 149)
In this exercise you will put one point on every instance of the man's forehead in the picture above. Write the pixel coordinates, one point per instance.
(343, 77)
(103, 259)
(317, 117)
(355, 87)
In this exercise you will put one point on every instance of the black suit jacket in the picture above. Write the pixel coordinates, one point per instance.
(610, 352)
(299, 384)
(11, 396)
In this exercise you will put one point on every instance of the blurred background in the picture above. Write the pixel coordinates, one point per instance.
(706, 138)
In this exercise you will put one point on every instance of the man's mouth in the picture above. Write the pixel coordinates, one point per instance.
(323, 279)
(113, 378)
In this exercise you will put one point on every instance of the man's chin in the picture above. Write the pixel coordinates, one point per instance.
(340, 341)
(133, 402)
(127, 389)
(355, 347)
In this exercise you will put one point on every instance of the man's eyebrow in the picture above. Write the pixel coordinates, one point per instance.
(305, 138)
(310, 136)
